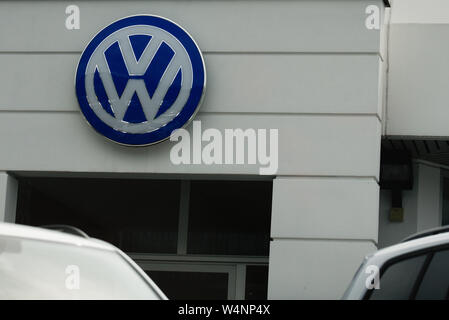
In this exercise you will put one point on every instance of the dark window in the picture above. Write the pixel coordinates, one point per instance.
(135, 215)
(229, 217)
(435, 284)
(180, 285)
(398, 279)
(256, 282)
(445, 220)
(142, 216)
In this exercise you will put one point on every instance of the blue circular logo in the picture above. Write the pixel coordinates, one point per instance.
(139, 79)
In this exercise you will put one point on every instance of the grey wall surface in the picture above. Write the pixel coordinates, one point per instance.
(422, 206)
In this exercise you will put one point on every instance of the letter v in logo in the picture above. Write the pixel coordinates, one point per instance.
(139, 79)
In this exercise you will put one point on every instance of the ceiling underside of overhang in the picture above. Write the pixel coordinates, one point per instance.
(432, 150)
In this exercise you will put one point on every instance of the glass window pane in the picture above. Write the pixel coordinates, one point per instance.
(230, 217)
(179, 285)
(135, 215)
(435, 284)
(256, 283)
(397, 281)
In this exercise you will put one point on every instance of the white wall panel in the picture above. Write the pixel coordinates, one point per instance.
(236, 83)
(418, 90)
(314, 269)
(418, 11)
(326, 208)
(275, 26)
(308, 145)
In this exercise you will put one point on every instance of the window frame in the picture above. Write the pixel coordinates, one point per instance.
(196, 267)
(204, 263)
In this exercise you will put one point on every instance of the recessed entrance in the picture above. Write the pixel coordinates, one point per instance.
(198, 239)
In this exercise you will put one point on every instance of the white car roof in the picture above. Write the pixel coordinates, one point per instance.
(410, 246)
(41, 234)
(34, 233)
(357, 288)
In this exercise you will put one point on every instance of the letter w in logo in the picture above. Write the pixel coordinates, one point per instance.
(137, 78)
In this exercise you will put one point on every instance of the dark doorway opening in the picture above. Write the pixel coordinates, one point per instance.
(176, 230)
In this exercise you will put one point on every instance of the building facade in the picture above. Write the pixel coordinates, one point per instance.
(338, 80)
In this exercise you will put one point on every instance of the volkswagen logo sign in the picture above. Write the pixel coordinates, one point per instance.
(139, 79)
